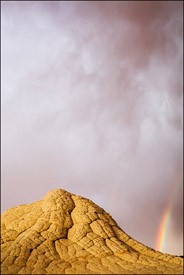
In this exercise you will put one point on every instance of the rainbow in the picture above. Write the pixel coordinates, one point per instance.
(166, 217)
(163, 229)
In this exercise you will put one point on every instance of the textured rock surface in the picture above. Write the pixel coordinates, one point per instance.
(68, 234)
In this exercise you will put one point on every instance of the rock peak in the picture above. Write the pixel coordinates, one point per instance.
(67, 234)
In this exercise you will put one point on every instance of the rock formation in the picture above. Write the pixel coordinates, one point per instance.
(68, 234)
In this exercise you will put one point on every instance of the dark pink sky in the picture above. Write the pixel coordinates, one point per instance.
(92, 103)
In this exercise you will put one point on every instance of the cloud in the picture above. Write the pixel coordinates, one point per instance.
(92, 103)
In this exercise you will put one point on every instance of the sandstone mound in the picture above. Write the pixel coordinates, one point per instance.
(68, 234)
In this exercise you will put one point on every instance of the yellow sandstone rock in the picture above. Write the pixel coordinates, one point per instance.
(68, 234)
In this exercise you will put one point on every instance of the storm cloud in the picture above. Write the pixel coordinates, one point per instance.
(92, 103)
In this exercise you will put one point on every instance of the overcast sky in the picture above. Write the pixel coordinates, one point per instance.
(92, 103)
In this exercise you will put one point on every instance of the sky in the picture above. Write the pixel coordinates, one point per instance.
(91, 102)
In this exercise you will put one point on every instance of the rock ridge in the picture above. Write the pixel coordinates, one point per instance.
(67, 234)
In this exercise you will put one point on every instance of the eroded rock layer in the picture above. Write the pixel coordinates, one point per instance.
(68, 234)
